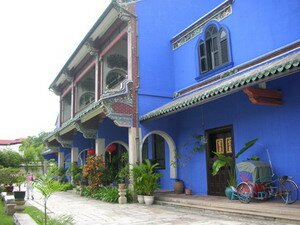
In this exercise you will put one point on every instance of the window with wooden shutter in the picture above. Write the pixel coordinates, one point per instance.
(224, 46)
(202, 56)
(213, 50)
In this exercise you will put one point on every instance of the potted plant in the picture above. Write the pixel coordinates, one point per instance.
(137, 171)
(20, 195)
(149, 181)
(228, 163)
(8, 178)
(123, 174)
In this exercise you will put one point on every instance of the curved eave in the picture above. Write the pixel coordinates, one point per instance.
(282, 66)
(99, 28)
(69, 125)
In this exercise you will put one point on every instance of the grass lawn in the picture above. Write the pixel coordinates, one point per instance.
(36, 214)
(4, 219)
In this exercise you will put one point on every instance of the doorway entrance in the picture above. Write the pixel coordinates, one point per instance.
(219, 140)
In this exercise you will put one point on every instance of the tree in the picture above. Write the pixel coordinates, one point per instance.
(10, 158)
(32, 149)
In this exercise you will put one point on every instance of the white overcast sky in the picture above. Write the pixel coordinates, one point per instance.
(37, 37)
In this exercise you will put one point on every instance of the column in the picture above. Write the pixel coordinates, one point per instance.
(100, 147)
(61, 159)
(133, 145)
(74, 155)
(45, 166)
(72, 99)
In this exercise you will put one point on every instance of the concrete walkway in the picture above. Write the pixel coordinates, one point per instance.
(87, 211)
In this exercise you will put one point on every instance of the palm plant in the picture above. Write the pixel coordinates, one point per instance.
(145, 178)
(228, 163)
(47, 185)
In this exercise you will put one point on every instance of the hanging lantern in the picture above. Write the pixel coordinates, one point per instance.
(91, 151)
(110, 149)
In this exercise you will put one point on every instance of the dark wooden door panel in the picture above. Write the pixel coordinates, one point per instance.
(219, 140)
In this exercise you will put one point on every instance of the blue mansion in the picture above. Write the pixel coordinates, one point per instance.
(150, 75)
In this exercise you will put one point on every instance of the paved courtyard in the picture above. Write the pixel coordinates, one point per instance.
(87, 211)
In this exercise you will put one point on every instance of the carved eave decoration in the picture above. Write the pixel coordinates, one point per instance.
(118, 105)
(91, 48)
(65, 143)
(68, 76)
(87, 132)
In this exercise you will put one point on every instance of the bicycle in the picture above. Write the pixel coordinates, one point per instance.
(282, 186)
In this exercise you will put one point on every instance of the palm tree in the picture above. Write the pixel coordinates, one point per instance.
(47, 185)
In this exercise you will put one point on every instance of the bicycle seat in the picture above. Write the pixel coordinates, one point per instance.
(284, 177)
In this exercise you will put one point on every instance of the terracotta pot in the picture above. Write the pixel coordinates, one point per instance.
(178, 187)
(9, 189)
(188, 191)
(148, 199)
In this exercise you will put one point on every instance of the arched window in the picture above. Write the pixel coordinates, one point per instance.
(114, 78)
(213, 49)
(85, 99)
(156, 144)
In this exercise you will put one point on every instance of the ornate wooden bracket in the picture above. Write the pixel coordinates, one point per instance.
(87, 132)
(65, 143)
(90, 46)
(261, 96)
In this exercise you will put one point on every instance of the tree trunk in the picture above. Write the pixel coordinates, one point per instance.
(45, 212)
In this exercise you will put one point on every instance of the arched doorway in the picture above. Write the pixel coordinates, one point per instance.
(116, 161)
(154, 143)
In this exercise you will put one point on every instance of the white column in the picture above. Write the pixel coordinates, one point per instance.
(45, 166)
(96, 78)
(133, 145)
(61, 159)
(74, 155)
(100, 147)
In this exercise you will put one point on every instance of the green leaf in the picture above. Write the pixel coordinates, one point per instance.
(246, 147)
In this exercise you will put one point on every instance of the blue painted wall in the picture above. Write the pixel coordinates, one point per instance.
(158, 22)
(256, 28)
(277, 128)
(111, 132)
(82, 143)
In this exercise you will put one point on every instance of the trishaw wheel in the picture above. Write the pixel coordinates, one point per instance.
(289, 191)
(244, 192)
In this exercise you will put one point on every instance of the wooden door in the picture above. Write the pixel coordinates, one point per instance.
(219, 140)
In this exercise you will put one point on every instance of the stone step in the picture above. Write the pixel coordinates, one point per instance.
(288, 215)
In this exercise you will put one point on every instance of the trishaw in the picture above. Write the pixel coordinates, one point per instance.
(259, 182)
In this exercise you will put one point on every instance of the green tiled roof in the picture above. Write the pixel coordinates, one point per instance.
(230, 84)
(78, 116)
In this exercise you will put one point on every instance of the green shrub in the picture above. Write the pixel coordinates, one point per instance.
(67, 186)
(85, 191)
(129, 196)
(108, 194)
